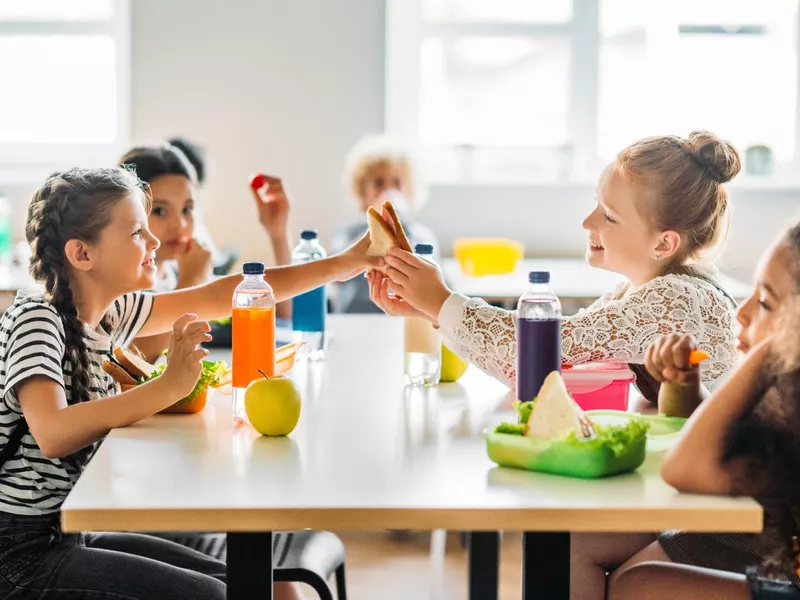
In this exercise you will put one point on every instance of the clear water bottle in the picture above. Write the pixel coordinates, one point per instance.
(423, 344)
(309, 309)
(538, 335)
(253, 325)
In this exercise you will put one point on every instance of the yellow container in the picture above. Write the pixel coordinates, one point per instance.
(487, 256)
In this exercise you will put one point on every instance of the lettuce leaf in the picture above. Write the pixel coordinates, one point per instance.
(210, 375)
(510, 428)
(617, 438)
(523, 409)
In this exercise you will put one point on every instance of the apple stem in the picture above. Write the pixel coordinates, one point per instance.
(264, 374)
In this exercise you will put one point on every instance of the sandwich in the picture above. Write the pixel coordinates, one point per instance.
(129, 370)
(385, 231)
(555, 413)
(554, 417)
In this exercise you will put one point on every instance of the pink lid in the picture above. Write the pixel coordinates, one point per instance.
(589, 377)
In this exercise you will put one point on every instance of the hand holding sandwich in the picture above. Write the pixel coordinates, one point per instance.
(185, 357)
(417, 282)
(419, 286)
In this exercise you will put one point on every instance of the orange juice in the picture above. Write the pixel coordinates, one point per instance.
(253, 344)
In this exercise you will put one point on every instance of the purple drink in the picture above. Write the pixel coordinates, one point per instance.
(538, 335)
(538, 354)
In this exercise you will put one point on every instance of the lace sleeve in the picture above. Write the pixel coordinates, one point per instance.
(610, 330)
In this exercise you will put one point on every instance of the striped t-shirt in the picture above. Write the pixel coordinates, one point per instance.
(31, 344)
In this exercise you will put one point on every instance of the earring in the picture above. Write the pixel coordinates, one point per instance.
(656, 257)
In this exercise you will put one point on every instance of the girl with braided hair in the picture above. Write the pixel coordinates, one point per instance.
(93, 253)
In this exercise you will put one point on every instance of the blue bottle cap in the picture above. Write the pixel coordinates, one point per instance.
(309, 234)
(539, 277)
(423, 249)
(253, 268)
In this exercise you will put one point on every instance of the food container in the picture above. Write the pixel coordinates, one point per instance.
(599, 385)
(487, 256)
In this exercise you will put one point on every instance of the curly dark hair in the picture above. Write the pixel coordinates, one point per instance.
(768, 437)
(74, 204)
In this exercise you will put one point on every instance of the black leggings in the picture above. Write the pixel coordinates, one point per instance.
(38, 561)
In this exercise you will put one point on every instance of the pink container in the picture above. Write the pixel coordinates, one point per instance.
(599, 385)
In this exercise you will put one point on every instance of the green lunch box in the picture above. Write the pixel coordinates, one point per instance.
(587, 460)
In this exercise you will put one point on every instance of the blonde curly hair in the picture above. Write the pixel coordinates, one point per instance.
(374, 151)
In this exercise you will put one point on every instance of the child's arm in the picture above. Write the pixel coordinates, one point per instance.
(615, 330)
(61, 429)
(695, 464)
(273, 213)
(213, 300)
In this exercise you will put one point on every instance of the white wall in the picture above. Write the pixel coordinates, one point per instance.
(287, 87)
(548, 218)
(284, 87)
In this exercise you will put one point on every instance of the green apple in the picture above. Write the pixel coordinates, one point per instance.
(273, 405)
(453, 367)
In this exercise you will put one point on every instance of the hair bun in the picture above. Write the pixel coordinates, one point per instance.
(719, 157)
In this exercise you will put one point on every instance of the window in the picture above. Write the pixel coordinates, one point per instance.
(520, 90)
(64, 68)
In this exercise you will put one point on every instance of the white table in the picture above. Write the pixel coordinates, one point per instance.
(573, 280)
(368, 454)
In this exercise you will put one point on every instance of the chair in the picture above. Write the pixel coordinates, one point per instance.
(306, 556)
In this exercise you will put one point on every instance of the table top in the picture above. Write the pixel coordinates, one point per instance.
(368, 454)
(571, 278)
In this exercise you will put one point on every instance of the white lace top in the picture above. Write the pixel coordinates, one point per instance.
(611, 329)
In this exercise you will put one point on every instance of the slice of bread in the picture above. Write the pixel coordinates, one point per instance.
(399, 233)
(381, 236)
(555, 413)
(135, 365)
(119, 374)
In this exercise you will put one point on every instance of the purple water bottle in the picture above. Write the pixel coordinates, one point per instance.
(538, 335)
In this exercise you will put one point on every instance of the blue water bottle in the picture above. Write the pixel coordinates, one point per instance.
(309, 309)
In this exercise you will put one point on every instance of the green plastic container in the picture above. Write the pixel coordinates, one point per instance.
(587, 460)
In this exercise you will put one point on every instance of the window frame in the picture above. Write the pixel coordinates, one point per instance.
(22, 158)
(406, 28)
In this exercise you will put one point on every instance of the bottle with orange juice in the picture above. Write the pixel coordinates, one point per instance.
(253, 326)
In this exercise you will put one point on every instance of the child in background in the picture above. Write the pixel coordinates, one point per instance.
(377, 168)
(661, 207)
(93, 253)
(741, 441)
(182, 260)
(273, 214)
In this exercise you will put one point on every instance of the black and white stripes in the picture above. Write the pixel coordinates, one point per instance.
(32, 344)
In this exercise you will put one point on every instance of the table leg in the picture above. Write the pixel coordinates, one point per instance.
(545, 565)
(484, 558)
(249, 566)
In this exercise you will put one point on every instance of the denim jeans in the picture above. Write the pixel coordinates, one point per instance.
(40, 562)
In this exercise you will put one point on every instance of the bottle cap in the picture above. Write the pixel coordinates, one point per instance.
(309, 234)
(539, 277)
(253, 268)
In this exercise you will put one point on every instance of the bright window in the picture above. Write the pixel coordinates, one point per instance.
(520, 90)
(64, 68)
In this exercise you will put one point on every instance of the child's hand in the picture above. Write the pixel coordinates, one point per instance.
(668, 360)
(273, 207)
(391, 305)
(417, 281)
(194, 265)
(185, 357)
(355, 259)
